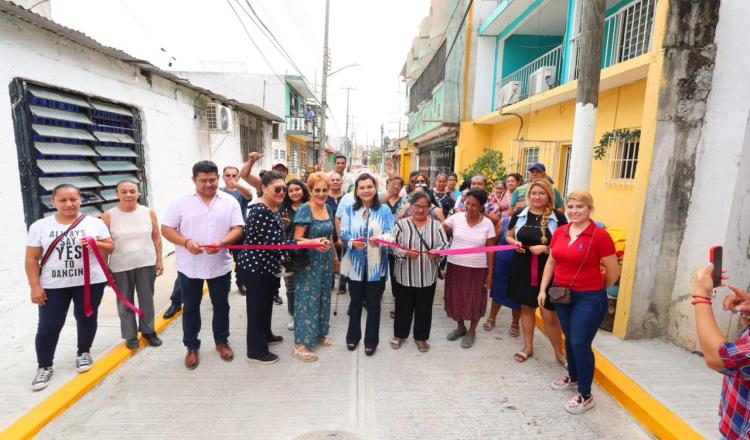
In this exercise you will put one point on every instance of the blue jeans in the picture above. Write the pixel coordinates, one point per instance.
(192, 293)
(580, 321)
(52, 319)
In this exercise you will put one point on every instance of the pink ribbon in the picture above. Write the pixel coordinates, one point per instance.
(263, 247)
(87, 279)
(534, 270)
(463, 251)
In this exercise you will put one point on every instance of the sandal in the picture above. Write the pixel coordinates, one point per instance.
(303, 354)
(489, 324)
(423, 346)
(522, 356)
(351, 347)
(515, 330)
(369, 351)
(325, 341)
(396, 343)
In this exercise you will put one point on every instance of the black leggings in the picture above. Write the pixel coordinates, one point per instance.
(52, 319)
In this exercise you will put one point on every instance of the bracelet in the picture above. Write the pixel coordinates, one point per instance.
(186, 242)
(702, 297)
(701, 302)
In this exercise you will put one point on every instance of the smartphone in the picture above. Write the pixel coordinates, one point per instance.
(716, 257)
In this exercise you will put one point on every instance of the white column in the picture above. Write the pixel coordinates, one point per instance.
(582, 153)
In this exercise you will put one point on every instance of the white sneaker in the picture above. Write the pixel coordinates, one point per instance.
(563, 384)
(577, 405)
(290, 325)
(84, 362)
(43, 375)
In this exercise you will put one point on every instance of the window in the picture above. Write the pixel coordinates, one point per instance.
(621, 160)
(251, 134)
(530, 157)
(67, 137)
(275, 131)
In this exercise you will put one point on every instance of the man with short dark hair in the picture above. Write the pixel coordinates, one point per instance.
(339, 166)
(204, 216)
(537, 171)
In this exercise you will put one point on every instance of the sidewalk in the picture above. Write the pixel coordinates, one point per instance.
(19, 362)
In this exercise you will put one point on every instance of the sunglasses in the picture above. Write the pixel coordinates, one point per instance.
(320, 190)
(230, 175)
(279, 189)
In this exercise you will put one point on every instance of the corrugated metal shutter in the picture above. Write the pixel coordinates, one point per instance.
(67, 137)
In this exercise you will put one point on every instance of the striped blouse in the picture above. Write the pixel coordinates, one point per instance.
(422, 271)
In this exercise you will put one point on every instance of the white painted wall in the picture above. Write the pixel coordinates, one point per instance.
(484, 62)
(172, 136)
(719, 211)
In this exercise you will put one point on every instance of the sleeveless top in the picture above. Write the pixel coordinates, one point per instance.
(131, 232)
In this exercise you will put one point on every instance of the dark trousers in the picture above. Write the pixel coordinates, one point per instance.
(416, 302)
(343, 279)
(192, 294)
(290, 282)
(580, 321)
(176, 296)
(235, 257)
(368, 292)
(259, 305)
(52, 319)
(391, 265)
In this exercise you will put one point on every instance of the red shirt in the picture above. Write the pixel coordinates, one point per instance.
(568, 258)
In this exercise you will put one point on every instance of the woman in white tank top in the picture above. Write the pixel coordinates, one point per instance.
(136, 261)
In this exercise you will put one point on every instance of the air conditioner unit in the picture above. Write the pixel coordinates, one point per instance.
(542, 80)
(509, 94)
(218, 118)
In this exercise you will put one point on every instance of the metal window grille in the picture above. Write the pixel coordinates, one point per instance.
(211, 120)
(523, 153)
(432, 75)
(251, 134)
(68, 137)
(275, 131)
(621, 161)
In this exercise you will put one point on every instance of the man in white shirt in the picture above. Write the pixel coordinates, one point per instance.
(339, 166)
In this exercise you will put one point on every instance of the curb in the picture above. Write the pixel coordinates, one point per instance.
(651, 413)
(28, 425)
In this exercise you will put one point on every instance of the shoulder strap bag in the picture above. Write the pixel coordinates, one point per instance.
(424, 243)
(561, 295)
(57, 240)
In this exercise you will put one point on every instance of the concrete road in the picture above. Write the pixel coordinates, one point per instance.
(448, 393)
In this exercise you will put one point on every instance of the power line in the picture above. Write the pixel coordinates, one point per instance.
(254, 43)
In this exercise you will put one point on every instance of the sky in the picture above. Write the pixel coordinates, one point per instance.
(376, 35)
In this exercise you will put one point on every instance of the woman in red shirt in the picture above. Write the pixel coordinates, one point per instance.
(578, 250)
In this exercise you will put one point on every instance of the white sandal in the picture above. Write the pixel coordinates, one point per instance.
(304, 355)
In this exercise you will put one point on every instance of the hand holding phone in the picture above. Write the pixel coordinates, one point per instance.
(716, 255)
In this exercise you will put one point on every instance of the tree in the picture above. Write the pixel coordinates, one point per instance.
(376, 156)
(489, 164)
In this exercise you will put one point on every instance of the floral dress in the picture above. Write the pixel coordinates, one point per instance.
(312, 302)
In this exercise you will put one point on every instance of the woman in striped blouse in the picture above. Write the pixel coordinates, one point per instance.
(415, 273)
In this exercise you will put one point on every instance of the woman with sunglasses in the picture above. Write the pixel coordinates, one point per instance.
(312, 305)
(296, 196)
(365, 262)
(258, 268)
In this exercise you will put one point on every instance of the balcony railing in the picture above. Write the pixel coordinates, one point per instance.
(538, 76)
(300, 126)
(627, 34)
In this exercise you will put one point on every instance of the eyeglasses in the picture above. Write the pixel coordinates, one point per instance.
(420, 182)
(230, 175)
(279, 189)
(420, 207)
(320, 190)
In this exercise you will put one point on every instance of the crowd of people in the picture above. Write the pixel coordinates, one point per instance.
(561, 262)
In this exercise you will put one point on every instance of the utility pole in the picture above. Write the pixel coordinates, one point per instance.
(347, 143)
(589, 70)
(324, 98)
(382, 150)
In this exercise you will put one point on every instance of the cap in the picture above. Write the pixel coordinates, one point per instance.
(538, 166)
(281, 163)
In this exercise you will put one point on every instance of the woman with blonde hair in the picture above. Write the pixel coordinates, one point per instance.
(312, 303)
(578, 251)
(530, 230)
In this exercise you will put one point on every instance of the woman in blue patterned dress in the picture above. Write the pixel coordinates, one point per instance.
(312, 302)
(365, 262)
